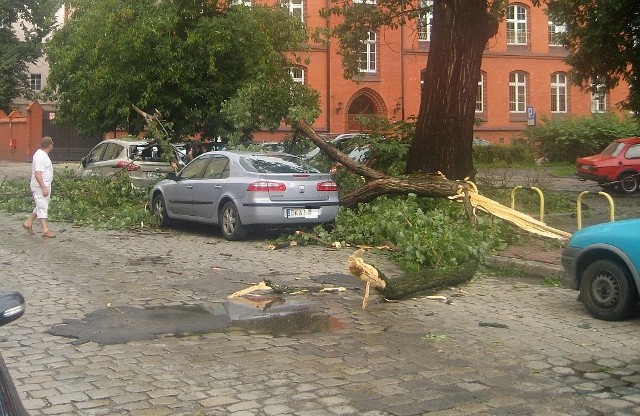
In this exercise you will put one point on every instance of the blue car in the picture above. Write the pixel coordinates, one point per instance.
(602, 262)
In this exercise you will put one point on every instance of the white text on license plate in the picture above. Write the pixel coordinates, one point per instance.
(301, 213)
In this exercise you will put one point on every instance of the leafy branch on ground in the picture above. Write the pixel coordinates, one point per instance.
(95, 202)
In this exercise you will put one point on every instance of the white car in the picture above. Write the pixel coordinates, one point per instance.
(141, 160)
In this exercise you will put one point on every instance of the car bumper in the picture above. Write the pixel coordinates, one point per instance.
(276, 215)
(568, 259)
(592, 177)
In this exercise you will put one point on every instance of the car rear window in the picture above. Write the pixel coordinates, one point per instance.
(146, 153)
(276, 164)
(613, 149)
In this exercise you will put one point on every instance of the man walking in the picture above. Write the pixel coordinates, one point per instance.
(41, 179)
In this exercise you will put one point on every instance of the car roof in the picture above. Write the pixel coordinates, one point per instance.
(245, 153)
(629, 140)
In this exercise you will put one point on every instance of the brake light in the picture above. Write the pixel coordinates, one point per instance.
(130, 166)
(266, 186)
(328, 186)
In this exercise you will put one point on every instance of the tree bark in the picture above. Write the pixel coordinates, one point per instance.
(378, 183)
(444, 130)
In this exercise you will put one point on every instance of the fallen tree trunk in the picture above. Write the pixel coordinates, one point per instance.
(439, 188)
(378, 183)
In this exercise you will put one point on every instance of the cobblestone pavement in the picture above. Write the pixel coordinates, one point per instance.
(501, 345)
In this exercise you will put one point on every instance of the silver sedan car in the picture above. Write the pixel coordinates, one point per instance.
(237, 190)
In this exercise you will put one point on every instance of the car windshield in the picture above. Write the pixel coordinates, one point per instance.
(613, 149)
(276, 164)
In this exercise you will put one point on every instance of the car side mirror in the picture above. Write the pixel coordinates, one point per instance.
(12, 307)
(83, 162)
(172, 176)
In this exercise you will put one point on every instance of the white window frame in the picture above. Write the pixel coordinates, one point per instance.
(425, 21)
(598, 100)
(554, 33)
(480, 94)
(559, 92)
(369, 54)
(35, 82)
(299, 78)
(296, 8)
(517, 92)
(517, 16)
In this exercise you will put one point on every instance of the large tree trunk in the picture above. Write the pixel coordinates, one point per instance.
(444, 130)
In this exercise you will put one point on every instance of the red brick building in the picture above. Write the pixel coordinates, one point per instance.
(523, 73)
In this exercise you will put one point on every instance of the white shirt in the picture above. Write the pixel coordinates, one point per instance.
(41, 163)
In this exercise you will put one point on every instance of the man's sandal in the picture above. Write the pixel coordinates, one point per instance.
(29, 228)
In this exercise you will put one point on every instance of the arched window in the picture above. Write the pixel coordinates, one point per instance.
(517, 92)
(297, 74)
(598, 98)
(558, 93)
(425, 20)
(368, 54)
(296, 8)
(517, 25)
(480, 94)
(555, 33)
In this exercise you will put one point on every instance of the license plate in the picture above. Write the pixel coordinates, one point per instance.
(156, 174)
(301, 213)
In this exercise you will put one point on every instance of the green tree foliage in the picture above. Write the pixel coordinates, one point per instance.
(23, 25)
(425, 233)
(460, 31)
(207, 69)
(603, 37)
(564, 140)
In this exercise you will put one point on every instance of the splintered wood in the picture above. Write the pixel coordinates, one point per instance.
(365, 272)
(517, 218)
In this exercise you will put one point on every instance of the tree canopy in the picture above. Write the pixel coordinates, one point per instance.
(459, 33)
(207, 69)
(23, 25)
(603, 37)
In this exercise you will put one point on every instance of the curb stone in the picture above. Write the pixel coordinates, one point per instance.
(530, 268)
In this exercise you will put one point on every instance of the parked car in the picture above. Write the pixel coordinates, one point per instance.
(240, 189)
(602, 262)
(12, 307)
(141, 159)
(341, 141)
(272, 146)
(616, 167)
(481, 142)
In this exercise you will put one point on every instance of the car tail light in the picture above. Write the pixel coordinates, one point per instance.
(130, 166)
(328, 186)
(266, 186)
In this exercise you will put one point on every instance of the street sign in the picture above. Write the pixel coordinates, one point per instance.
(531, 116)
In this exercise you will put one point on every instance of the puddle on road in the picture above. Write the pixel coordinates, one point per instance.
(265, 315)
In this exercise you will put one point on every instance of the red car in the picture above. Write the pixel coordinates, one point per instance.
(616, 167)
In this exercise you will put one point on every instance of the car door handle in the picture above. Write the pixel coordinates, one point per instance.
(217, 187)
(189, 186)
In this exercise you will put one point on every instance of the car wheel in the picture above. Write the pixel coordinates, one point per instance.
(606, 291)
(628, 183)
(230, 225)
(160, 211)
